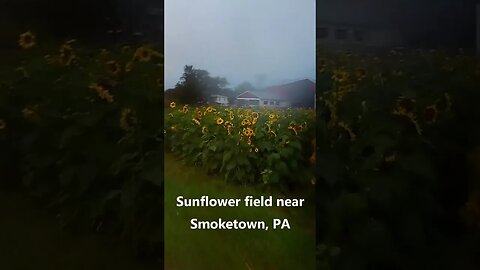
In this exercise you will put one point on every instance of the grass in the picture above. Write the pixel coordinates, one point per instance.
(231, 249)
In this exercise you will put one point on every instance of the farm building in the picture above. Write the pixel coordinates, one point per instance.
(261, 98)
(354, 25)
(295, 94)
(378, 24)
(219, 100)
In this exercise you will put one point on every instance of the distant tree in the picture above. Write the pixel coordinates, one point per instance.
(196, 85)
(244, 86)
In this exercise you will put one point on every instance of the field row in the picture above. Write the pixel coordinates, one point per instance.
(245, 145)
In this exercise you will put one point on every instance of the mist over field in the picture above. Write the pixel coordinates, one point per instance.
(264, 42)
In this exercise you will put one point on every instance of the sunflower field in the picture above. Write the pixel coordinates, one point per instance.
(397, 167)
(247, 146)
(81, 131)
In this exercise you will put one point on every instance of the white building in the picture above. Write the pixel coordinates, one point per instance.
(219, 100)
(262, 99)
(296, 94)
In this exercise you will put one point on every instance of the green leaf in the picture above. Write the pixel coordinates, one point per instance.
(296, 144)
(282, 168)
(227, 156)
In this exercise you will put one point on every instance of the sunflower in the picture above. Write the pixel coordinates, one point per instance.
(172, 105)
(199, 113)
(210, 109)
(204, 129)
(430, 114)
(304, 125)
(352, 135)
(3, 124)
(196, 121)
(128, 66)
(405, 106)
(248, 132)
(293, 128)
(66, 55)
(339, 76)
(254, 115)
(229, 126)
(256, 150)
(185, 109)
(106, 96)
(219, 121)
(246, 122)
(27, 40)
(102, 92)
(128, 119)
(143, 54)
(232, 115)
(114, 68)
(271, 116)
(361, 74)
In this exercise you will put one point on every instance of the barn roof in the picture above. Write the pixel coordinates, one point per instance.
(247, 94)
(260, 94)
(297, 91)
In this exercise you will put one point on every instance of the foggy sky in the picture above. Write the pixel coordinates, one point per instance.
(240, 39)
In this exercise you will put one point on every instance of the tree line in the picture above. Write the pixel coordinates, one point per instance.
(197, 85)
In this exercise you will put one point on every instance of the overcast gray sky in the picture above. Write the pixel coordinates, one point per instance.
(241, 39)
